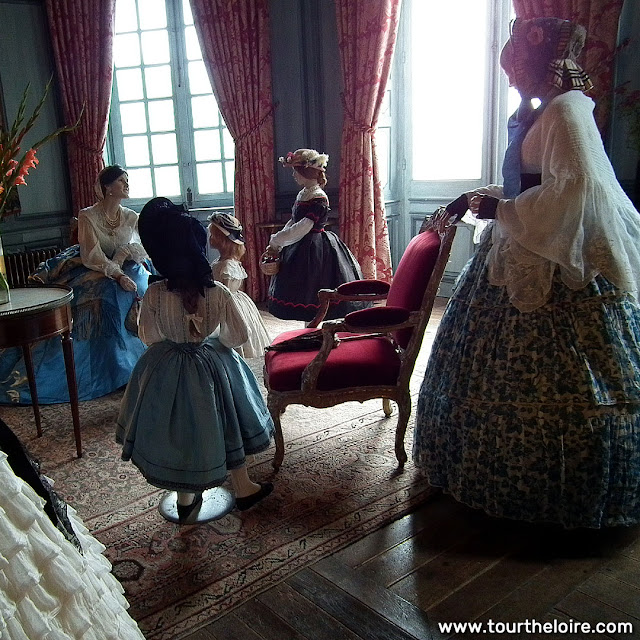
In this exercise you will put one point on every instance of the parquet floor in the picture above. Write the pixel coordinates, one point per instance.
(448, 563)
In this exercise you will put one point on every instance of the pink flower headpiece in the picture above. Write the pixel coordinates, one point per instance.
(307, 158)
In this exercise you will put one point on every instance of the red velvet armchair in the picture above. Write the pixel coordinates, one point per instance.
(370, 353)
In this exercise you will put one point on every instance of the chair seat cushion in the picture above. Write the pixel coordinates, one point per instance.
(353, 363)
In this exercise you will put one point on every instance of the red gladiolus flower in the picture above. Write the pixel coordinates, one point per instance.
(12, 165)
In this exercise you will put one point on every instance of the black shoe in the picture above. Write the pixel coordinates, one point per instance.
(248, 501)
(185, 510)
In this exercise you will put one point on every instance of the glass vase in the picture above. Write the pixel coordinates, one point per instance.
(5, 296)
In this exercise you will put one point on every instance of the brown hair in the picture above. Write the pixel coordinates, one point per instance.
(312, 174)
(220, 241)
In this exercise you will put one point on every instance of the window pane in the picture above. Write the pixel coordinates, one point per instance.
(158, 82)
(448, 124)
(383, 143)
(161, 117)
(136, 151)
(229, 146)
(198, 78)
(164, 148)
(204, 110)
(384, 119)
(129, 84)
(140, 183)
(126, 50)
(209, 177)
(186, 12)
(193, 46)
(126, 18)
(167, 181)
(230, 169)
(207, 144)
(155, 47)
(153, 14)
(133, 118)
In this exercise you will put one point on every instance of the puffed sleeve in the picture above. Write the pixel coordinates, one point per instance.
(233, 328)
(148, 330)
(91, 252)
(291, 233)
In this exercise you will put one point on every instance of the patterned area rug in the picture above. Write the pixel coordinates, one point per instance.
(339, 481)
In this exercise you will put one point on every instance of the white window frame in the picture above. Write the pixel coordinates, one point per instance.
(184, 125)
(439, 192)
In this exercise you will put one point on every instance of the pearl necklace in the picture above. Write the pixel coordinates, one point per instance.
(113, 223)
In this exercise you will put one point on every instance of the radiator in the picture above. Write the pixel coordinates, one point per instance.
(21, 265)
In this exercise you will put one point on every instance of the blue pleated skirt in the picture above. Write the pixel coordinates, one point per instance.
(535, 416)
(106, 346)
(191, 412)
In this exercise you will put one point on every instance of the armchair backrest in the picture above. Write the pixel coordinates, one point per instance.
(422, 264)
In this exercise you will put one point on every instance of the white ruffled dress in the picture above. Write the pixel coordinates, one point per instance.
(232, 274)
(48, 589)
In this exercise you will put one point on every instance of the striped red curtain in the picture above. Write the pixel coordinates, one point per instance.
(600, 18)
(82, 38)
(234, 38)
(367, 32)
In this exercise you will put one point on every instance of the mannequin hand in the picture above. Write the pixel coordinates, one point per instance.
(127, 283)
(271, 252)
(483, 206)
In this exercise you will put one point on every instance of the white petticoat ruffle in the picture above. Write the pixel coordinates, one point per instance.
(48, 590)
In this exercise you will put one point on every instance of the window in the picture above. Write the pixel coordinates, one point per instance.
(165, 127)
(454, 103)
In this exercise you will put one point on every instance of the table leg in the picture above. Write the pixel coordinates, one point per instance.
(69, 364)
(28, 362)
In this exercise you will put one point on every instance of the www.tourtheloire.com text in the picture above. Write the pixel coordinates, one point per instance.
(533, 626)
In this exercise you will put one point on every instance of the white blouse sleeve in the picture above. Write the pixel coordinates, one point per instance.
(91, 252)
(291, 234)
(148, 330)
(233, 328)
(578, 219)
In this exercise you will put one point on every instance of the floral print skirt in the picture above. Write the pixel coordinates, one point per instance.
(535, 416)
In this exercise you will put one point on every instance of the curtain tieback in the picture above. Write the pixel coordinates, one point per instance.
(92, 150)
(358, 125)
(257, 126)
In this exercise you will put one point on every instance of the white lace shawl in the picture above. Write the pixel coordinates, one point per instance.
(105, 252)
(163, 317)
(578, 220)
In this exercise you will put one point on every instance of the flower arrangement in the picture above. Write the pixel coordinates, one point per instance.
(14, 165)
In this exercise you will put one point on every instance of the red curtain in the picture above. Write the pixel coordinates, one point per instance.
(600, 18)
(366, 37)
(82, 38)
(234, 37)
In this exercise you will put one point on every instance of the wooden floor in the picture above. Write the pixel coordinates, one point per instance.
(449, 563)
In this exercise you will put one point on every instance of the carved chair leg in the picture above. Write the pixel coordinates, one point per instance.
(386, 407)
(275, 412)
(404, 411)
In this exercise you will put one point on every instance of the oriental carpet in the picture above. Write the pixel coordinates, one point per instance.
(339, 481)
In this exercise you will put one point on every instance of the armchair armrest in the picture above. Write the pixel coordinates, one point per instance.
(377, 316)
(397, 318)
(354, 291)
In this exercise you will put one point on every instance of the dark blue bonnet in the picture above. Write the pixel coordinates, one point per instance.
(176, 243)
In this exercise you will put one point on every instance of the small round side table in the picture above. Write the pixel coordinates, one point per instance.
(37, 313)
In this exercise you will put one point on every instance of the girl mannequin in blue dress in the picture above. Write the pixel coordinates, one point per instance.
(192, 409)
